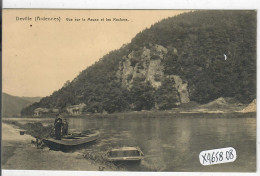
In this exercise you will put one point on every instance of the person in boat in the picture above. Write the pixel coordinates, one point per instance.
(56, 119)
(57, 127)
(65, 127)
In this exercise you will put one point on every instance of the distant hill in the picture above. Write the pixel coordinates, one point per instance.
(32, 99)
(12, 105)
(198, 56)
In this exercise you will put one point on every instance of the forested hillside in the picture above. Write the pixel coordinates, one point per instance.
(12, 105)
(197, 56)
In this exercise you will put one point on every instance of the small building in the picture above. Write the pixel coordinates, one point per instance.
(40, 111)
(55, 110)
(76, 109)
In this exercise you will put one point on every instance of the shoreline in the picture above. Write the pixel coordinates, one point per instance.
(20, 154)
(218, 106)
(145, 113)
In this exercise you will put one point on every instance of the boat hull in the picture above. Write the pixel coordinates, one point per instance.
(122, 159)
(122, 162)
(127, 155)
(69, 144)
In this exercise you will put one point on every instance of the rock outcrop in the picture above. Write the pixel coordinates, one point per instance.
(145, 65)
(182, 88)
(250, 108)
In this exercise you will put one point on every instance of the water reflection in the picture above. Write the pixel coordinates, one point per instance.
(173, 144)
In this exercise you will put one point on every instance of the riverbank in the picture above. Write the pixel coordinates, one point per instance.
(170, 141)
(218, 106)
(20, 153)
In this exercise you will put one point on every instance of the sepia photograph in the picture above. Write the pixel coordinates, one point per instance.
(129, 90)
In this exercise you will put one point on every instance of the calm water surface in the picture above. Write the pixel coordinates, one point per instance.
(174, 143)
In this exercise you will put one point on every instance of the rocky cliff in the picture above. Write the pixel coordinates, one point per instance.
(145, 65)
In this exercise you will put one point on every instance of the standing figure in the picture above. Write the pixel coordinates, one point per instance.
(65, 127)
(57, 126)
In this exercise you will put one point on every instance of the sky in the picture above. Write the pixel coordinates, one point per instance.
(40, 56)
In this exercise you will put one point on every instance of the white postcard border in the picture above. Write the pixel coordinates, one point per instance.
(138, 4)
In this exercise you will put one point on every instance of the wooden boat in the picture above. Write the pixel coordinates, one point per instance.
(71, 141)
(125, 154)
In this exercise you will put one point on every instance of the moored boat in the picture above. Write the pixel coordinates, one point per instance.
(71, 141)
(125, 154)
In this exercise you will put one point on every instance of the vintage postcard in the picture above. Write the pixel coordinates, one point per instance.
(129, 90)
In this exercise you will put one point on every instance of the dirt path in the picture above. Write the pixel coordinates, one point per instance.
(19, 153)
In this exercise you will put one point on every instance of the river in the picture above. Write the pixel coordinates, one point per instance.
(174, 143)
